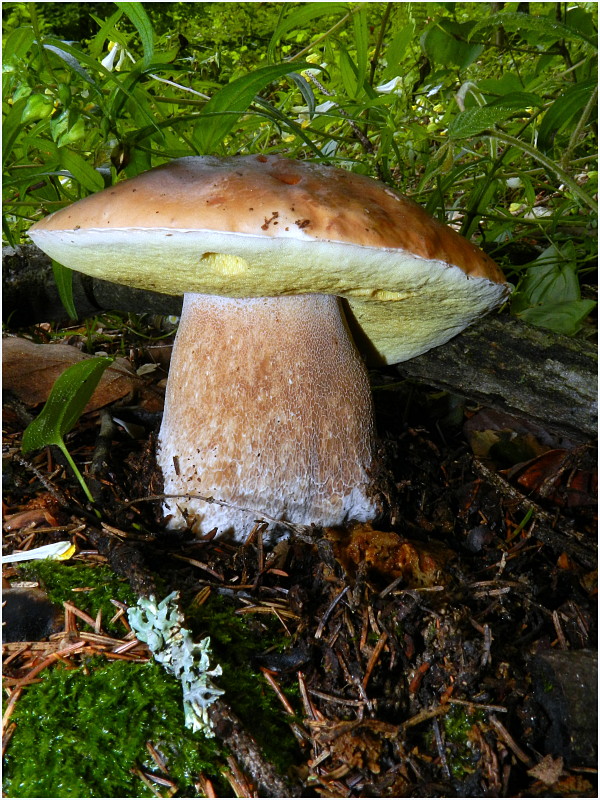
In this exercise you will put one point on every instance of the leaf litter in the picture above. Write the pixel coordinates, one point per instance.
(404, 658)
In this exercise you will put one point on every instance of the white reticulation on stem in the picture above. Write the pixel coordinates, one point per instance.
(268, 408)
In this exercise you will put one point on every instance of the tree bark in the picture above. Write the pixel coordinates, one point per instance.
(527, 371)
(499, 362)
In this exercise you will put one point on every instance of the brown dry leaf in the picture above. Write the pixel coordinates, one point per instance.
(28, 519)
(30, 371)
(574, 786)
(548, 770)
(508, 440)
(358, 744)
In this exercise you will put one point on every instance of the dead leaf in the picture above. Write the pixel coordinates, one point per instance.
(356, 744)
(552, 476)
(548, 770)
(508, 440)
(30, 371)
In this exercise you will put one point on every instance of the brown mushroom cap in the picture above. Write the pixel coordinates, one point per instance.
(285, 227)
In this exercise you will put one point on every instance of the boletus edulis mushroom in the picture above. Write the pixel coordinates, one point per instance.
(268, 407)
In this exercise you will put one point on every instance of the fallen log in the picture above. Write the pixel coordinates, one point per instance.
(527, 371)
(499, 362)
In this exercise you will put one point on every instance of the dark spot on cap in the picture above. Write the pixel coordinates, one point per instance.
(290, 178)
(262, 159)
(302, 223)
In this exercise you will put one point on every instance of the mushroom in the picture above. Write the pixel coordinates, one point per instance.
(268, 409)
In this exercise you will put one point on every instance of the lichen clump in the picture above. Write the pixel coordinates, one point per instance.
(160, 625)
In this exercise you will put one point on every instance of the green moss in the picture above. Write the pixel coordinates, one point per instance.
(101, 584)
(457, 725)
(236, 640)
(79, 733)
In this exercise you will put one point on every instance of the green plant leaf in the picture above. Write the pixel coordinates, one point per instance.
(63, 277)
(70, 59)
(11, 128)
(17, 45)
(361, 43)
(396, 50)
(552, 278)
(549, 294)
(306, 92)
(69, 396)
(137, 15)
(348, 71)
(81, 170)
(562, 111)
(106, 27)
(564, 317)
(223, 109)
(546, 28)
(477, 120)
(299, 18)
(445, 44)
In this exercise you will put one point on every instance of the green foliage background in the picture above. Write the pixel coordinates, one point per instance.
(483, 112)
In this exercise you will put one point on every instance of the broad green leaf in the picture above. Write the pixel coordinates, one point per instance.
(221, 112)
(81, 170)
(69, 396)
(105, 32)
(563, 317)
(348, 71)
(562, 111)
(299, 19)
(445, 44)
(17, 44)
(396, 50)
(552, 278)
(63, 277)
(546, 27)
(476, 120)
(70, 59)
(137, 15)
(72, 134)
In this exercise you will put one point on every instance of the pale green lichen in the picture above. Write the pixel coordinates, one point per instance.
(160, 625)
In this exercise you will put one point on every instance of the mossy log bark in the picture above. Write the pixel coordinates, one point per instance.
(528, 371)
(499, 362)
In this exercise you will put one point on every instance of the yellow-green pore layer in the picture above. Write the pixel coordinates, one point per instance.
(255, 226)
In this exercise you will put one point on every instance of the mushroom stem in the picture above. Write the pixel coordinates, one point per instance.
(268, 407)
